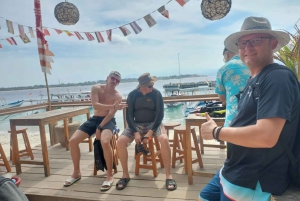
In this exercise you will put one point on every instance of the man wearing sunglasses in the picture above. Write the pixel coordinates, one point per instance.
(231, 79)
(268, 112)
(106, 100)
(144, 116)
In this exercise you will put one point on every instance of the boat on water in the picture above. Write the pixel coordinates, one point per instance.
(71, 96)
(174, 104)
(11, 104)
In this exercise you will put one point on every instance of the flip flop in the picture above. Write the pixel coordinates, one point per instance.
(71, 181)
(106, 185)
(124, 182)
(171, 182)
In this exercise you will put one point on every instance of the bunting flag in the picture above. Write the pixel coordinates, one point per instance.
(11, 41)
(89, 36)
(24, 38)
(150, 21)
(78, 35)
(46, 32)
(182, 2)
(10, 26)
(99, 37)
(31, 32)
(21, 30)
(58, 31)
(135, 27)
(163, 11)
(0, 46)
(109, 32)
(68, 33)
(124, 30)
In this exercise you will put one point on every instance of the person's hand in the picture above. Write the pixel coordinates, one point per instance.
(98, 134)
(207, 128)
(137, 138)
(149, 135)
(119, 105)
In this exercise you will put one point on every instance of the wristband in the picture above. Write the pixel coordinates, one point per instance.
(99, 128)
(218, 133)
(213, 132)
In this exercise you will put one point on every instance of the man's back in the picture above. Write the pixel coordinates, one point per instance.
(231, 79)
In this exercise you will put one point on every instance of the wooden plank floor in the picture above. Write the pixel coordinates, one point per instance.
(141, 187)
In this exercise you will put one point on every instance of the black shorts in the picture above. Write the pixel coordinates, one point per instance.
(90, 126)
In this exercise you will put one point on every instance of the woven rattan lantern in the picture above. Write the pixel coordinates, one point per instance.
(66, 13)
(215, 9)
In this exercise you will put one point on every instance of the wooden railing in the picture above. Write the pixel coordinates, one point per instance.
(194, 98)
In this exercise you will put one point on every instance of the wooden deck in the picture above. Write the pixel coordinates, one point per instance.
(141, 187)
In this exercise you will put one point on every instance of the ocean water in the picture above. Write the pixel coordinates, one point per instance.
(171, 114)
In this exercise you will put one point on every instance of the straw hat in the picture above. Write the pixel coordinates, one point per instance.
(256, 25)
(145, 79)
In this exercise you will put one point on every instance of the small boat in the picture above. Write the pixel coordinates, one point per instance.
(174, 104)
(12, 104)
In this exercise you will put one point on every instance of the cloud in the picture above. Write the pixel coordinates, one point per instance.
(198, 41)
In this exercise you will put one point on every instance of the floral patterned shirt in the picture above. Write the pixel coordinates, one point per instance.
(231, 79)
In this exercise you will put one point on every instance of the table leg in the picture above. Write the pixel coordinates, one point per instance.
(66, 131)
(88, 115)
(201, 141)
(44, 149)
(15, 148)
(188, 154)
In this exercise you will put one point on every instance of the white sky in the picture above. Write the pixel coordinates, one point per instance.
(198, 40)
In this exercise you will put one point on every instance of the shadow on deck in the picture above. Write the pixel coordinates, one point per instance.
(141, 187)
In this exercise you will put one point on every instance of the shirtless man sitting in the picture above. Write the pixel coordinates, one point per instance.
(106, 100)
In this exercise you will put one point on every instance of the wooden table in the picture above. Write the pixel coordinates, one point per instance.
(193, 120)
(41, 120)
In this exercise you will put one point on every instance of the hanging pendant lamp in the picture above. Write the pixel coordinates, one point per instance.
(66, 13)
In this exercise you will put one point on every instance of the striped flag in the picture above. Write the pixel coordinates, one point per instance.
(58, 31)
(21, 30)
(31, 32)
(125, 31)
(68, 33)
(109, 32)
(78, 35)
(135, 27)
(89, 36)
(163, 11)
(46, 32)
(182, 2)
(24, 38)
(150, 21)
(11, 41)
(99, 37)
(10, 26)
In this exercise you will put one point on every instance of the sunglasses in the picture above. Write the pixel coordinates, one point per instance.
(115, 79)
(150, 86)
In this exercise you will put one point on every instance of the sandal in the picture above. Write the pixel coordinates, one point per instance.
(124, 182)
(171, 182)
(106, 185)
(70, 181)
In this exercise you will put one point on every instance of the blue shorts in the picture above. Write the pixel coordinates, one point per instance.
(219, 189)
(90, 126)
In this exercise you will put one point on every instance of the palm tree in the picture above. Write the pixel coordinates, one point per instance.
(290, 54)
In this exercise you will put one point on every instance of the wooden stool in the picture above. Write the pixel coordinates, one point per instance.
(3, 157)
(149, 158)
(113, 143)
(90, 142)
(25, 152)
(171, 125)
(179, 146)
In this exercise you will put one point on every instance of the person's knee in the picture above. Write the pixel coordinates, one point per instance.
(76, 138)
(163, 139)
(122, 142)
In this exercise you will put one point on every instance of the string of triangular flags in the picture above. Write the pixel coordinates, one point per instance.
(135, 27)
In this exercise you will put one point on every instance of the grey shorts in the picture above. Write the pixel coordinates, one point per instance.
(143, 128)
